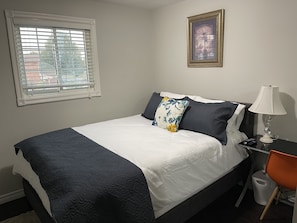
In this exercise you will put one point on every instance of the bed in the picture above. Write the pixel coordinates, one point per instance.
(160, 171)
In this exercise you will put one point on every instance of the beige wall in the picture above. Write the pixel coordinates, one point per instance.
(260, 48)
(125, 52)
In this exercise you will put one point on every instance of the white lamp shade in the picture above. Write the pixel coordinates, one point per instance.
(268, 102)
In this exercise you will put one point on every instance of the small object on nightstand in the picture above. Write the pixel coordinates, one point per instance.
(250, 142)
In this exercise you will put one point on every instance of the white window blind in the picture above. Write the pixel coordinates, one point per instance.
(54, 57)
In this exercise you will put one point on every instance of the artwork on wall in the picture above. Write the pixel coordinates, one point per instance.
(206, 39)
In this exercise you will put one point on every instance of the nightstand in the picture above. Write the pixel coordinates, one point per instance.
(279, 144)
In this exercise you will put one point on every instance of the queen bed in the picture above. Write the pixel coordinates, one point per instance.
(133, 169)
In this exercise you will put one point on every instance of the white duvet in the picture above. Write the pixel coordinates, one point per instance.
(175, 165)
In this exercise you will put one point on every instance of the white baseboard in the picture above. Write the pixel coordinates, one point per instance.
(12, 196)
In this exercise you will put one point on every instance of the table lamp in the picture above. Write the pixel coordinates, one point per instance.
(269, 104)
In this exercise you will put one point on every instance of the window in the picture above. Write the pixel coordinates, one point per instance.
(53, 57)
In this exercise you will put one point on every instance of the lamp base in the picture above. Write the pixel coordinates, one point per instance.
(266, 139)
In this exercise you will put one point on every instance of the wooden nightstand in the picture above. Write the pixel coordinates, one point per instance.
(279, 144)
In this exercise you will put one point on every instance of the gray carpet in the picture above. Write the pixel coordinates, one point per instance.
(28, 217)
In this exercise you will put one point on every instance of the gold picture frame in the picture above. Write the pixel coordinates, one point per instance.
(206, 39)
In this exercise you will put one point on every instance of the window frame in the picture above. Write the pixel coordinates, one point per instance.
(15, 18)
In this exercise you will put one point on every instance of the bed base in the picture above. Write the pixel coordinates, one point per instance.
(36, 203)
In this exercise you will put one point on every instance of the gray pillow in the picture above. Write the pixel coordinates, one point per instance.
(208, 118)
(152, 106)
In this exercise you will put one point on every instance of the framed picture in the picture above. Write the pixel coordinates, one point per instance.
(206, 39)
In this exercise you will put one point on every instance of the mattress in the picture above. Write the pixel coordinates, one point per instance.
(175, 165)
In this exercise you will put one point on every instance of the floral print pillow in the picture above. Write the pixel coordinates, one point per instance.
(169, 113)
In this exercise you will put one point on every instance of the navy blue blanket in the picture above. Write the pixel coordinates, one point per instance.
(86, 182)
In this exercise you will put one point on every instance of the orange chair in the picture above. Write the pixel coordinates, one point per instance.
(282, 169)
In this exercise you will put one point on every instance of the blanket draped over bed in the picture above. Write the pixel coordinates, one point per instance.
(86, 182)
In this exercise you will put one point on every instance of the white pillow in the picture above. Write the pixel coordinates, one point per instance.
(172, 95)
(237, 117)
(206, 100)
(180, 96)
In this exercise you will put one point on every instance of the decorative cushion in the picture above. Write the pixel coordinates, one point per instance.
(235, 121)
(169, 113)
(208, 118)
(152, 106)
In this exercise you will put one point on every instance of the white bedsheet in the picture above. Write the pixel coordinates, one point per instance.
(175, 165)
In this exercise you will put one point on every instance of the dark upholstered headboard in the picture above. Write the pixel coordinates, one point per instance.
(247, 125)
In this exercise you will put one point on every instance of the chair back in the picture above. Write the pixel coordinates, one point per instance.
(282, 168)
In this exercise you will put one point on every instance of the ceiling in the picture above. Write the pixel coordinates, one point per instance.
(148, 4)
